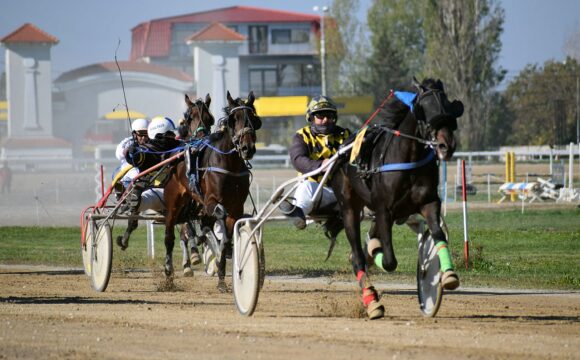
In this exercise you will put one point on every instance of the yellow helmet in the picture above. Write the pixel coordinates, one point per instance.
(320, 103)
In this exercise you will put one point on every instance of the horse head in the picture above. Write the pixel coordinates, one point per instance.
(242, 123)
(197, 119)
(439, 114)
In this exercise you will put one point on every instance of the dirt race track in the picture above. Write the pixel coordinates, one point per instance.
(48, 313)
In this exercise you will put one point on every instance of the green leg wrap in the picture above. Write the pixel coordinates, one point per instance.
(379, 260)
(444, 256)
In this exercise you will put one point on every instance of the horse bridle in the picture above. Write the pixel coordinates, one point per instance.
(425, 127)
(244, 130)
(200, 105)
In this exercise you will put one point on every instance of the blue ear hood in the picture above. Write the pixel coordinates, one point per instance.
(406, 98)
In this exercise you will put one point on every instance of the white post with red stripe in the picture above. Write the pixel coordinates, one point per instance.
(465, 237)
(102, 181)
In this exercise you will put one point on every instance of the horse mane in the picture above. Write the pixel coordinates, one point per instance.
(394, 112)
(431, 83)
(216, 136)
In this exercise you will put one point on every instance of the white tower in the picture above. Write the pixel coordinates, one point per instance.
(29, 95)
(216, 64)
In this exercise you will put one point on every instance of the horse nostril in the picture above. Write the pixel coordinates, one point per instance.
(442, 147)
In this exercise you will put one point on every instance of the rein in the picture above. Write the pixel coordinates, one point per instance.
(224, 171)
(407, 136)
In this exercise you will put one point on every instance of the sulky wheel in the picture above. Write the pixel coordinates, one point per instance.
(86, 246)
(101, 257)
(246, 272)
(429, 287)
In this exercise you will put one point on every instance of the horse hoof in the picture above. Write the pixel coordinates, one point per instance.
(450, 280)
(222, 287)
(120, 243)
(168, 271)
(187, 272)
(195, 258)
(375, 310)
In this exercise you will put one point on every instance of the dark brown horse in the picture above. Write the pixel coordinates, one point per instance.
(196, 124)
(398, 177)
(223, 182)
(197, 119)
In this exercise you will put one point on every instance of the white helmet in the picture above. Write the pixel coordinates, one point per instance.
(139, 125)
(160, 125)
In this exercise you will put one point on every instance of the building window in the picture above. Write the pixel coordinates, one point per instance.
(300, 36)
(290, 36)
(264, 82)
(258, 41)
(310, 75)
(280, 36)
(298, 75)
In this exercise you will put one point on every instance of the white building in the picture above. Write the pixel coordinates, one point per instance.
(272, 53)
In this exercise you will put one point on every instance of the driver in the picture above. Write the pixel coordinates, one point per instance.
(311, 148)
(139, 135)
(162, 141)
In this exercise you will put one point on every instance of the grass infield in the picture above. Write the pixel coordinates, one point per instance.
(539, 249)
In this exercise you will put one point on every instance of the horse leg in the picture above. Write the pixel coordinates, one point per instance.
(123, 240)
(192, 242)
(169, 243)
(220, 231)
(226, 244)
(187, 271)
(352, 218)
(431, 213)
(384, 225)
(373, 244)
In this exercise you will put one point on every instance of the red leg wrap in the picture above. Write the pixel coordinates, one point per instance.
(369, 295)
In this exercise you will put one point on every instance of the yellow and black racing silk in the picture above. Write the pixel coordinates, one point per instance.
(322, 146)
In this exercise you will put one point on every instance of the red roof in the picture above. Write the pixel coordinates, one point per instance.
(153, 38)
(29, 33)
(216, 32)
(126, 66)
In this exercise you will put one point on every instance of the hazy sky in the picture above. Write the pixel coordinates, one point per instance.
(535, 30)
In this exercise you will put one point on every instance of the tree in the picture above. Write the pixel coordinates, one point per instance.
(397, 43)
(572, 45)
(462, 46)
(499, 123)
(543, 103)
(347, 48)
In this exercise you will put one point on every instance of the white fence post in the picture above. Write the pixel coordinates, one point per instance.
(150, 239)
(571, 169)
(488, 189)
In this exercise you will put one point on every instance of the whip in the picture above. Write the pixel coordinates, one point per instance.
(123, 87)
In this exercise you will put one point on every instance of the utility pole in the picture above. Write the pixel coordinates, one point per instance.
(577, 113)
(323, 10)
